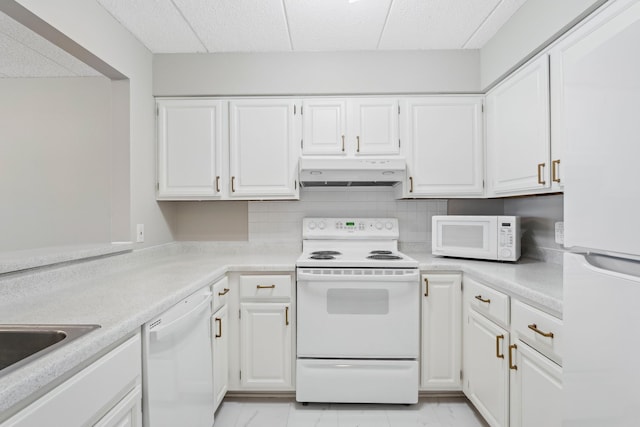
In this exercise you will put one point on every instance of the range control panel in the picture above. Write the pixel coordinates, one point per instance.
(350, 228)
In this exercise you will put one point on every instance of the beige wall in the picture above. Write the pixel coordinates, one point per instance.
(316, 73)
(534, 25)
(215, 220)
(54, 158)
(88, 25)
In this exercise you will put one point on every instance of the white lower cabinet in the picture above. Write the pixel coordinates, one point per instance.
(265, 345)
(127, 413)
(536, 389)
(220, 338)
(486, 369)
(220, 328)
(261, 332)
(440, 356)
(511, 359)
(106, 393)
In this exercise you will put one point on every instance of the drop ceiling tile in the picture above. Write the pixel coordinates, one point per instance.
(330, 25)
(35, 43)
(158, 24)
(434, 24)
(17, 60)
(238, 25)
(493, 23)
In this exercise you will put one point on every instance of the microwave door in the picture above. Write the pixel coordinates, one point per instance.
(467, 238)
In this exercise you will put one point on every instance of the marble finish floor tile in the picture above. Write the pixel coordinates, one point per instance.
(270, 412)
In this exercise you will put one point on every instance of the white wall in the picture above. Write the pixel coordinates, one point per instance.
(90, 26)
(309, 73)
(535, 24)
(54, 158)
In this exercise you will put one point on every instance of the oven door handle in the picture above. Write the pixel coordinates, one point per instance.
(330, 276)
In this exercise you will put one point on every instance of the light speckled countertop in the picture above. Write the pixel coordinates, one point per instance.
(122, 292)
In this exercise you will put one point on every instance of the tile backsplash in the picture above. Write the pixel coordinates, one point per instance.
(282, 220)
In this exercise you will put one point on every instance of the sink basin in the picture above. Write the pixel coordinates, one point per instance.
(21, 344)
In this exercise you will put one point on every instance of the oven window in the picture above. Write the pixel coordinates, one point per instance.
(357, 301)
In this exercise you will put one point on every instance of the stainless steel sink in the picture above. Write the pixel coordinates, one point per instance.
(21, 344)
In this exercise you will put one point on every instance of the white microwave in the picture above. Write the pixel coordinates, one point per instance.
(482, 237)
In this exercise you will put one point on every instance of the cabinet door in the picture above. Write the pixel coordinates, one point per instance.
(324, 126)
(266, 345)
(190, 137)
(443, 146)
(518, 132)
(486, 369)
(264, 148)
(373, 126)
(220, 328)
(440, 356)
(536, 389)
(127, 413)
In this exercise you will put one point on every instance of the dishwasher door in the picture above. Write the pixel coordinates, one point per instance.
(177, 368)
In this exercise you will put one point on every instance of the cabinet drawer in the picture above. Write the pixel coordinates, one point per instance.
(265, 286)
(490, 302)
(220, 291)
(540, 330)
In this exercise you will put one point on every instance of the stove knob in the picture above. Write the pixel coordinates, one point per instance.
(379, 225)
(321, 225)
(311, 225)
(389, 225)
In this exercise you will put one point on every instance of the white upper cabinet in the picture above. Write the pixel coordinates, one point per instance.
(325, 126)
(350, 126)
(190, 149)
(442, 140)
(264, 148)
(374, 126)
(518, 140)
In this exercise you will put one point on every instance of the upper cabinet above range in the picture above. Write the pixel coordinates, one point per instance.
(350, 126)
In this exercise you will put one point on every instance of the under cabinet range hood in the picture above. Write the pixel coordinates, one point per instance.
(332, 172)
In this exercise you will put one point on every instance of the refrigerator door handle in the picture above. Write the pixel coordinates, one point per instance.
(613, 266)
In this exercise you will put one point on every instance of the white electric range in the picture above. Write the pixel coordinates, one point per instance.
(358, 313)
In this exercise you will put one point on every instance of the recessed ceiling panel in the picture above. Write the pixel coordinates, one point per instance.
(331, 25)
(24, 53)
(238, 25)
(158, 24)
(493, 23)
(434, 24)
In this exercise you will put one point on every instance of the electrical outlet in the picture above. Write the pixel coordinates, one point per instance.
(140, 233)
(560, 232)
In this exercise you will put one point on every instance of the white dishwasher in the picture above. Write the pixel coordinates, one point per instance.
(177, 368)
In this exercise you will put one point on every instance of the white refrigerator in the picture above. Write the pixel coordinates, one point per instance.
(600, 122)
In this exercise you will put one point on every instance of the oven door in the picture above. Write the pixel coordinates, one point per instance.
(358, 313)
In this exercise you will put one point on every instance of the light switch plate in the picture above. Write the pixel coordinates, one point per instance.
(140, 233)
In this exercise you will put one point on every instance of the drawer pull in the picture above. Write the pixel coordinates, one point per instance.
(286, 316)
(498, 338)
(219, 322)
(511, 365)
(265, 286)
(479, 298)
(535, 329)
(426, 287)
(226, 291)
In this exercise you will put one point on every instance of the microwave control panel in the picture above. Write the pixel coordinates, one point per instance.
(508, 238)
